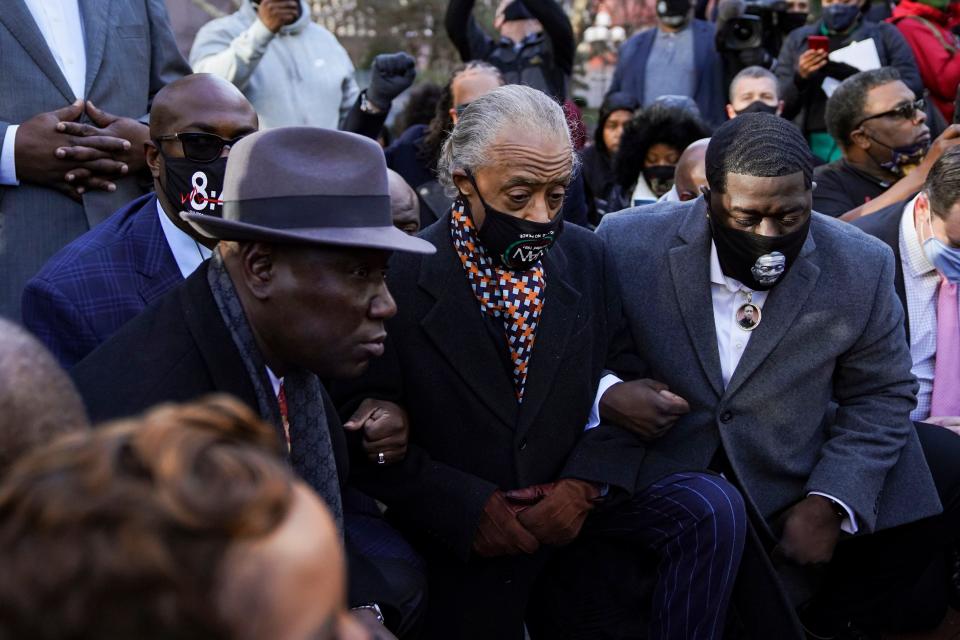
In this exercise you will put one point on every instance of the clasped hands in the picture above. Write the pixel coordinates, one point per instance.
(520, 520)
(56, 150)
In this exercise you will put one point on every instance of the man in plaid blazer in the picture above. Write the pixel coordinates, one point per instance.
(110, 274)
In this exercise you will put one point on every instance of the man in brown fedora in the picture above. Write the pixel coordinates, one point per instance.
(293, 294)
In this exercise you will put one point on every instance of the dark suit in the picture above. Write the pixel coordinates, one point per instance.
(831, 329)
(131, 54)
(885, 225)
(446, 363)
(180, 349)
(101, 280)
(710, 91)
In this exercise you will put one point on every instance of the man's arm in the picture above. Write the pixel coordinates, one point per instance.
(469, 39)
(57, 322)
(166, 63)
(908, 186)
(875, 391)
(557, 26)
(232, 58)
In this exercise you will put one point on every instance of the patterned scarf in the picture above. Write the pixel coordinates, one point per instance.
(311, 451)
(516, 297)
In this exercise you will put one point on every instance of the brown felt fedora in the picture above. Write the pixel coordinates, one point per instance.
(307, 185)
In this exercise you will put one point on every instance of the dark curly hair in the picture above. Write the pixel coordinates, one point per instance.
(120, 532)
(658, 124)
(439, 128)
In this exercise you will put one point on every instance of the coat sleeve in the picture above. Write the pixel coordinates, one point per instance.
(55, 320)
(467, 36)
(608, 454)
(443, 501)
(166, 63)
(557, 26)
(875, 393)
(900, 55)
(793, 88)
(939, 68)
(233, 57)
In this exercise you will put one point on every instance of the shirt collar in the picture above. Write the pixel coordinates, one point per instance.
(187, 252)
(718, 277)
(275, 382)
(913, 254)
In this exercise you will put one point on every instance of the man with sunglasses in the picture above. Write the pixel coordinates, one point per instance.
(109, 275)
(881, 128)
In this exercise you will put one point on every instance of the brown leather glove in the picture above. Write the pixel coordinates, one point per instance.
(558, 509)
(499, 533)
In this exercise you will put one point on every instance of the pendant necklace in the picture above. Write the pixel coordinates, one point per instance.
(748, 314)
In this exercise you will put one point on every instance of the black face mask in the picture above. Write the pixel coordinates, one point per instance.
(758, 106)
(758, 262)
(512, 242)
(673, 13)
(194, 186)
(839, 18)
(659, 178)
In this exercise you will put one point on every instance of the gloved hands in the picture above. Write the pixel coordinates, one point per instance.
(558, 509)
(392, 73)
(499, 532)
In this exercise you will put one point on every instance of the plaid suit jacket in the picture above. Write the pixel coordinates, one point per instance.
(98, 282)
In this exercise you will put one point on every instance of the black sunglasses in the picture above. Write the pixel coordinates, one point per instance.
(906, 111)
(201, 147)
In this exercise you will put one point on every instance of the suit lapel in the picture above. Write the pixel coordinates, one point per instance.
(455, 326)
(155, 264)
(96, 20)
(19, 21)
(556, 322)
(779, 312)
(690, 270)
(213, 341)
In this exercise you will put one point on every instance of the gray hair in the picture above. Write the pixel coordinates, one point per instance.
(513, 105)
(37, 398)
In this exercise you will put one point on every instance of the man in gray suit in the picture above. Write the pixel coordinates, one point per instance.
(67, 161)
(809, 411)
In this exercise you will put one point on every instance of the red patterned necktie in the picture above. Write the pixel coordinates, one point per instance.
(284, 414)
(516, 297)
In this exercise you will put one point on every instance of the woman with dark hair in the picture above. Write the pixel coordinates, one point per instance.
(649, 151)
(615, 112)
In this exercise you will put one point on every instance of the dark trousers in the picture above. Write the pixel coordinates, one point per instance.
(383, 567)
(693, 524)
(896, 580)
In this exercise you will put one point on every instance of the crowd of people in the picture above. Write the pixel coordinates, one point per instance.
(269, 369)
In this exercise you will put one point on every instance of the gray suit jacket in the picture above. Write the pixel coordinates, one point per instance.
(831, 330)
(131, 54)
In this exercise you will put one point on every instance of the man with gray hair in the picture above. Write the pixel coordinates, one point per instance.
(37, 399)
(501, 469)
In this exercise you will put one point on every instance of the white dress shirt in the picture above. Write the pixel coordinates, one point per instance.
(187, 252)
(61, 25)
(921, 284)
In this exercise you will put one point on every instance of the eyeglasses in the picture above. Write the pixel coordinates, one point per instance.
(906, 111)
(201, 147)
(460, 108)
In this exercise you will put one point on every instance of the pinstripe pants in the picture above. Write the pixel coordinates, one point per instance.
(696, 524)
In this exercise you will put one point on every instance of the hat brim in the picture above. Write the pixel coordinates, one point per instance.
(386, 238)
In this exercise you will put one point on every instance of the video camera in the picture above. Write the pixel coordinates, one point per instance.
(754, 29)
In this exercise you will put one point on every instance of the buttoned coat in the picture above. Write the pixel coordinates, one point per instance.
(445, 364)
